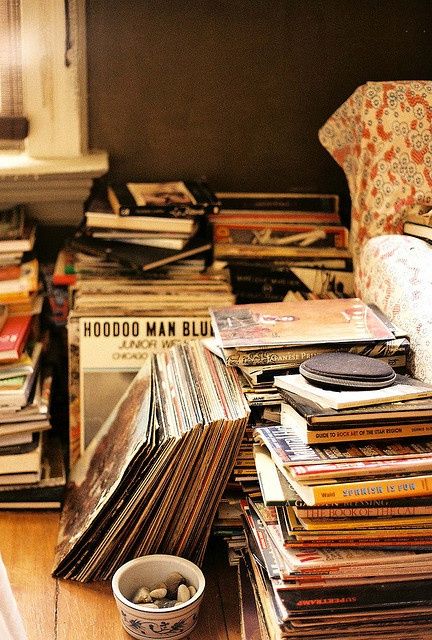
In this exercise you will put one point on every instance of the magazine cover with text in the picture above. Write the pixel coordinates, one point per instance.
(293, 322)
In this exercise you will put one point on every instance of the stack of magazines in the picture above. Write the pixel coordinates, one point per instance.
(281, 245)
(338, 542)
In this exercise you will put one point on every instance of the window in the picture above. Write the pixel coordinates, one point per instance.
(13, 126)
(53, 170)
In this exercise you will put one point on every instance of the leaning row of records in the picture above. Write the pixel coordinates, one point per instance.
(152, 477)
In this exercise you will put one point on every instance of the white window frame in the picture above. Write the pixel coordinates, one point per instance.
(54, 172)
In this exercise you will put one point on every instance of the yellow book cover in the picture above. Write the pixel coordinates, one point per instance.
(358, 491)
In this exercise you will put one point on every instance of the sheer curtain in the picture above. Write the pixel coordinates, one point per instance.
(11, 624)
(13, 124)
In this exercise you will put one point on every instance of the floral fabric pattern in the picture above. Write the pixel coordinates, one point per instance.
(396, 275)
(382, 138)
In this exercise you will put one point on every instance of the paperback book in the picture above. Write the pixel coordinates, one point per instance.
(353, 431)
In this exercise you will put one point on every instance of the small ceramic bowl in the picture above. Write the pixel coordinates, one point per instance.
(143, 622)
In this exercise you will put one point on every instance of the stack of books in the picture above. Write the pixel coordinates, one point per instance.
(279, 244)
(338, 543)
(19, 269)
(152, 479)
(26, 454)
(25, 391)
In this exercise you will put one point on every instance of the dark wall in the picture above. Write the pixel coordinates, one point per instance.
(235, 91)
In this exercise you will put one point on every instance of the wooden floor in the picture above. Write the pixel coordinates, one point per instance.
(63, 610)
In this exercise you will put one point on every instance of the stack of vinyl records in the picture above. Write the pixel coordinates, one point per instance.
(283, 245)
(152, 478)
(139, 277)
(146, 225)
(123, 317)
(264, 340)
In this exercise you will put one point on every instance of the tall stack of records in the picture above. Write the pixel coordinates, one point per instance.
(118, 318)
(280, 245)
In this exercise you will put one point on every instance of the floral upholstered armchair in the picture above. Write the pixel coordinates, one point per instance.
(382, 138)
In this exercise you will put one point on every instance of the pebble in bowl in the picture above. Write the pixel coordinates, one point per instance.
(158, 596)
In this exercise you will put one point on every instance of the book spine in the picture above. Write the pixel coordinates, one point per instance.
(341, 513)
(352, 597)
(393, 351)
(378, 488)
(258, 217)
(227, 250)
(369, 432)
(287, 202)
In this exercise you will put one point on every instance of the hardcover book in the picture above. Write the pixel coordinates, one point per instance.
(318, 417)
(109, 220)
(353, 431)
(13, 337)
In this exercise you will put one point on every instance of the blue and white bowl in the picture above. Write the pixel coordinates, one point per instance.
(153, 624)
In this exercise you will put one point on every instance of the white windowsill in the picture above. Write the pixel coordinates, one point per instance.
(54, 189)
